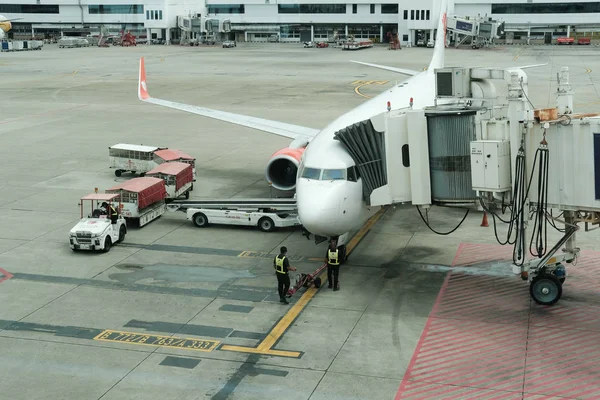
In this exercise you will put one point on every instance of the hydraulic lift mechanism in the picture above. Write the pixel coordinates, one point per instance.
(528, 168)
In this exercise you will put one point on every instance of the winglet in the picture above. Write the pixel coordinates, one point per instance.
(142, 85)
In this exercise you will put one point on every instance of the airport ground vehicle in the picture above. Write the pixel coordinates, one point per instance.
(131, 157)
(142, 199)
(173, 155)
(229, 44)
(178, 178)
(266, 214)
(96, 232)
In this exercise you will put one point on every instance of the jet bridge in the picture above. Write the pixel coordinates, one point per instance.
(475, 150)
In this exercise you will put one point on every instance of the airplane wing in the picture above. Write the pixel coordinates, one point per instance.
(278, 128)
(393, 69)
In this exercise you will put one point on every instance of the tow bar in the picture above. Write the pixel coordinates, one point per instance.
(305, 280)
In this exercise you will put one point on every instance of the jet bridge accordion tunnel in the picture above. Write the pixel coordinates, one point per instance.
(416, 156)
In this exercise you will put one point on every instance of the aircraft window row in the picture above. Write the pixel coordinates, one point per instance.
(350, 174)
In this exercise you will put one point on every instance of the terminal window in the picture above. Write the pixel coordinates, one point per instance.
(226, 9)
(389, 8)
(29, 9)
(546, 8)
(116, 9)
(311, 8)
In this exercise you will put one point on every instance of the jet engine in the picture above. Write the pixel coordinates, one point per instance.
(282, 168)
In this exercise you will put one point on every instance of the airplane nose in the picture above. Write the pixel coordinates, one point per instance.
(318, 210)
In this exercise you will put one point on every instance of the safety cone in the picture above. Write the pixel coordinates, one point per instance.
(484, 221)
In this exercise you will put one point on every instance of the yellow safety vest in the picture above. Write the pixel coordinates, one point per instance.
(279, 264)
(333, 257)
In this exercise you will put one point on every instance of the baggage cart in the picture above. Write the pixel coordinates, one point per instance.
(173, 155)
(178, 178)
(132, 157)
(142, 199)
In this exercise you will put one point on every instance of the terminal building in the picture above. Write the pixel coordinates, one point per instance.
(289, 20)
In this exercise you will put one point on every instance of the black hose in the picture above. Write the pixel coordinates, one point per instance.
(442, 233)
(540, 225)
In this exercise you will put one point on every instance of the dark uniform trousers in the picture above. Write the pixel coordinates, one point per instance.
(335, 271)
(283, 284)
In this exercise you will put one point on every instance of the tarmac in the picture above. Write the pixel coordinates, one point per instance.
(178, 312)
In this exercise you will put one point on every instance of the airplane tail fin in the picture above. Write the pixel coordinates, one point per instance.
(142, 85)
(437, 61)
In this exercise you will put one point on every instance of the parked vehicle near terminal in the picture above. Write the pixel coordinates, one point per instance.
(229, 44)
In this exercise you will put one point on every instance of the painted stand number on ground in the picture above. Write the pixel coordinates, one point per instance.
(154, 340)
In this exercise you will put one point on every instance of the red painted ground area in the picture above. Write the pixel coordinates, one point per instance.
(485, 338)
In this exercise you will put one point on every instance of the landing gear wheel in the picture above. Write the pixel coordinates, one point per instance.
(317, 283)
(122, 233)
(118, 173)
(187, 195)
(200, 220)
(545, 289)
(266, 224)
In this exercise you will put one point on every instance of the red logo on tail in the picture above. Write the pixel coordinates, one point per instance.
(142, 87)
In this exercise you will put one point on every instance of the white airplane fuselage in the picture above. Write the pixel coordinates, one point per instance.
(331, 208)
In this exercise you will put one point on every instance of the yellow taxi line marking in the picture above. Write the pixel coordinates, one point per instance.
(74, 72)
(587, 70)
(519, 54)
(365, 83)
(265, 347)
(141, 339)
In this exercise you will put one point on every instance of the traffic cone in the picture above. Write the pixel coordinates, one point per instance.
(484, 221)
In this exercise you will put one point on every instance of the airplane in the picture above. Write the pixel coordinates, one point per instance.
(5, 25)
(329, 192)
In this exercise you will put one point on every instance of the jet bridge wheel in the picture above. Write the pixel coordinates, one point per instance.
(545, 289)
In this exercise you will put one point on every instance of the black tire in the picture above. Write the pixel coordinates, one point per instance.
(122, 233)
(107, 244)
(118, 173)
(266, 224)
(200, 220)
(317, 283)
(343, 254)
(545, 289)
(187, 195)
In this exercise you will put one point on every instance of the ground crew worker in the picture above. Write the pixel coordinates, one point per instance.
(282, 266)
(110, 212)
(333, 266)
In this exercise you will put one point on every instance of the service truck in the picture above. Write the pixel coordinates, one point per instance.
(96, 231)
(142, 199)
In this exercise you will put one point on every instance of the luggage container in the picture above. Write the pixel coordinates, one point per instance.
(142, 199)
(174, 155)
(178, 178)
(132, 157)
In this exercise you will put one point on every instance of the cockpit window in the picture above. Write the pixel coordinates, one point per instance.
(334, 174)
(311, 173)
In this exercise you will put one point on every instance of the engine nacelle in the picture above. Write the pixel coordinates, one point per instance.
(282, 168)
